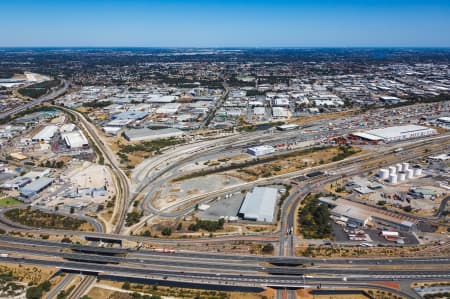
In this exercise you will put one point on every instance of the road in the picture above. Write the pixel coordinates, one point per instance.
(60, 286)
(122, 181)
(45, 98)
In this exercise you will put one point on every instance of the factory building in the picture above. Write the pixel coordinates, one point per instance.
(75, 139)
(360, 214)
(133, 115)
(288, 127)
(16, 183)
(148, 134)
(35, 187)
(259, 205)
(444, 120)
(46, 134)
(260, 150)
(396, 133)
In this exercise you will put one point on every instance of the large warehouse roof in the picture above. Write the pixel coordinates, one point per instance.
(148, 134)
(135, 115)
(75, 139)
(396, 133)
(259, 204)
(46, 133)
(36, 186)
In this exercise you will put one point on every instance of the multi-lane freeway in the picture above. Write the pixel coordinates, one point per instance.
(45, 98)
(283, 271)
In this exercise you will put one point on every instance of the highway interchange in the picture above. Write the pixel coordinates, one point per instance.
(282, 271)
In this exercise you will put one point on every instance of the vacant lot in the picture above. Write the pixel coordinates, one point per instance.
(9, 201)
(294, 161)
(36, 218)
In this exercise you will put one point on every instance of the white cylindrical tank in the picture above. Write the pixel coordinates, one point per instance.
(399, 167)
(383, 174)
(405, 166)
(417, 171)
(392, 170)
(401, 176)
(410, 174)
(393, 178)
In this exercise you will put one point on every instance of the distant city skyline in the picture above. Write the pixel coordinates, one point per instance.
(232, 23)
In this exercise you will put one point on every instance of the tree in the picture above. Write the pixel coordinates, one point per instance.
(126, 285)
(179, 226)
(268, 248)
(72, 210)
(167, 231)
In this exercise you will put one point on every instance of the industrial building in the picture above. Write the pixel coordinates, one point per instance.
(133, 115)
(444, 120)
(75, 139)
(360, 214)
(161, 99)
(396, 133)
(35, 187)
(288, 127)
(16, 183)
(260, 150)
(146, 134)
(259, 204)
(46, 134)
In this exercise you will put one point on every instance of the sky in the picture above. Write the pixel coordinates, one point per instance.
(225, 23)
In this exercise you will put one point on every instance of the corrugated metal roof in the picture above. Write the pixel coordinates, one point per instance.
(259, 204)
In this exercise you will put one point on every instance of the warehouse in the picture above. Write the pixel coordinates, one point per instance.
(46, 134)
(260, 150)
(134, 115)
(35, 187)
(161, 99)
(288, 127)
(75, 139)
(396, 133)
(361, 214)
(148, 134)
(259, 204)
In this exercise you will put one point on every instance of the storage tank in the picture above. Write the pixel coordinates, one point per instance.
(399, 167)
(392, 170)
(410, 174)
(405, 166)
(393, 178)
(401, 176)
(383, 173)
(417, 171)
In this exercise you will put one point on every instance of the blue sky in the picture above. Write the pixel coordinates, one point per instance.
(226, 23)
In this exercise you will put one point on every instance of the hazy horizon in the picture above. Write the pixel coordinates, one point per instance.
(225, 24)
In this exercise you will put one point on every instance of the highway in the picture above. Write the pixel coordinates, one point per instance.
(44, 247)
(284, 271)
(122, 181)
(45, 98)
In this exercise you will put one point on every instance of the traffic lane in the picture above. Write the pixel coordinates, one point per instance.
(215, 256)
(237, 278)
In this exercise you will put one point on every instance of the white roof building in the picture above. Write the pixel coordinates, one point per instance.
(279, 112)
(170, 108)
(67, 128)
(396, 133)
(161, 99)
(75, 139)
(45, 134)
(259, 204)
(146, 134)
